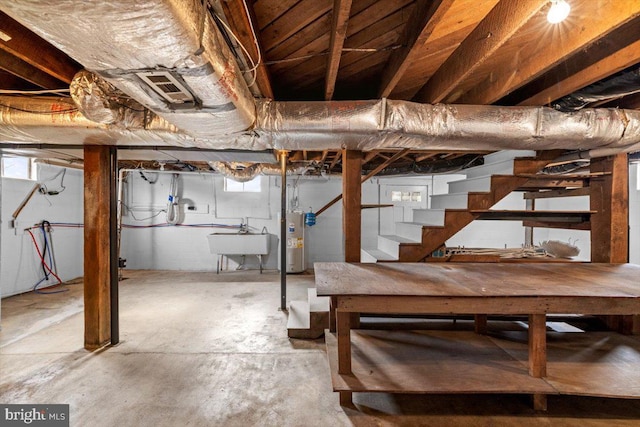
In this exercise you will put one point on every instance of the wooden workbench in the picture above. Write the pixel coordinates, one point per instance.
(534, 290)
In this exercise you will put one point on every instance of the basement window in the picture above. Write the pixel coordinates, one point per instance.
(406, 196)
(253, 186)
(19, 168)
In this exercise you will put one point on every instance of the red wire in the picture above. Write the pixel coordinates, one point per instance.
(42, 258)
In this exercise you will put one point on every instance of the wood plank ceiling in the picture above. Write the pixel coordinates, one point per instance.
(501, 52)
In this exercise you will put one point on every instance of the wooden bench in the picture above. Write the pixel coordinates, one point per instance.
(534, 290)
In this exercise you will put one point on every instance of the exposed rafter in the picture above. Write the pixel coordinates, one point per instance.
(240, 17)
(620, 50)
(28, 72)
(494, 31)
(418, 30)
(35, 51)
(371, 174)
(341, 9)
(563, 40)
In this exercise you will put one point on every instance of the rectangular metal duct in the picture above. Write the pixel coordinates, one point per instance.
(133, 44)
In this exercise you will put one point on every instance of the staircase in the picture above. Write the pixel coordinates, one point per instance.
(467, 200)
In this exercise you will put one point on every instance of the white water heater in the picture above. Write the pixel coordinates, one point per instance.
(294, 240)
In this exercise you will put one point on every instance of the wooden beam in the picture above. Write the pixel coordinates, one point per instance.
(28, 72)
(562, 225)
(610, 198)
(376, 206)
(418, 30)
(11, 81)
(500, 24)
(369, 156)
(240, 16)
(335, 160)
(36, 51)
(614, 53)
(340, 20)
(424, 157)
(99, 244)
(381, 166)
(568, 192)
(369, 175)
(587, 26)
(351, 213)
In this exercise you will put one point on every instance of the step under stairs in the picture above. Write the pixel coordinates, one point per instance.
(308, 319)
(468, 199)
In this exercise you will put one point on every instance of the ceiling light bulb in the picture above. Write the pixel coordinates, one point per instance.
(558, 12)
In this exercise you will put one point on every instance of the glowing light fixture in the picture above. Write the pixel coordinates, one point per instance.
(558, 12)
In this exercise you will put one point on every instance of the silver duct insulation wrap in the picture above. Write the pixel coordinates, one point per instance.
(243, 173)
(332, 125)
(383, 124)
(45, 120)
(174, 43)
(99, 101)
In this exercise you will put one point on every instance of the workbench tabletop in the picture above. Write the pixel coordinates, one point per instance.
(479, 279)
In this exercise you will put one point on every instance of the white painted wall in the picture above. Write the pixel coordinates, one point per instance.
(20, 263)
(187, 248)
(183, 248)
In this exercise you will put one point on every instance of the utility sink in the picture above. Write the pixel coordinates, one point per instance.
(239, 243)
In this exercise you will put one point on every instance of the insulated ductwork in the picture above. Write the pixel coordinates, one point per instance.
(386, 124)
(243, 173)
(365, 125)
(166, 54)
(45, 120)
(99, 101)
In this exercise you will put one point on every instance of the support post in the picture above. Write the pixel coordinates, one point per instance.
(351, 213)
(538, 355)
(100, 247)
(609, 196)
(283, 230)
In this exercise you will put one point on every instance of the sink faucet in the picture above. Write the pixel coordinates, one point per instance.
(244, 226)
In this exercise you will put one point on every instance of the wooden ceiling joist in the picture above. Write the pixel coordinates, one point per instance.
(504, 20)
(561, 41)
(241, 19)
(294, 20)
(340, 20)
(369, 156)
(35, 51)
(371, 174)
(417, 32)
(25, 71)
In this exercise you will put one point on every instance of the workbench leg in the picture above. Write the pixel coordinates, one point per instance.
(540, 402)
(343, 320)
(538, 355)
(346, 398)
(333, 303)
(480, 324)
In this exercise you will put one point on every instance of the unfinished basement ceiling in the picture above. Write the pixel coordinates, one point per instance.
(483, 52)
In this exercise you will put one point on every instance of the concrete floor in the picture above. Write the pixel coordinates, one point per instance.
(200, 349)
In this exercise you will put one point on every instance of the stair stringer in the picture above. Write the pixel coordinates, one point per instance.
(433, 237)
